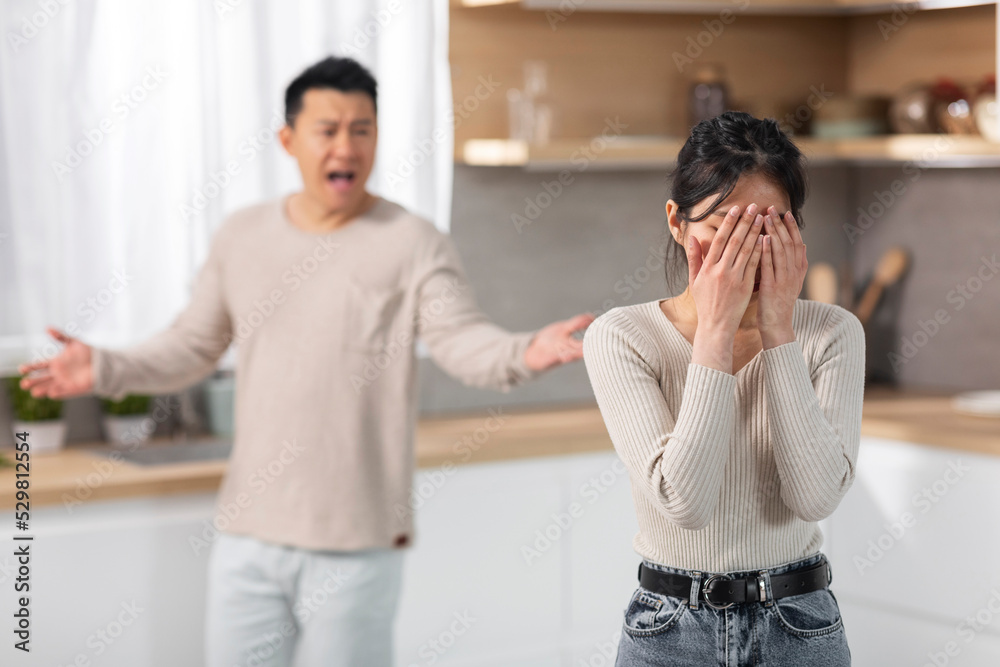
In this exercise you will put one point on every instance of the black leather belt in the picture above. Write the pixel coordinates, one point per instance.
(720, 591)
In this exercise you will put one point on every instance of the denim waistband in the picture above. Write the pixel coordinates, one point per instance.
(739, 574)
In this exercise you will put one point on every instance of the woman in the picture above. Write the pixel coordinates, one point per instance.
(736, 407)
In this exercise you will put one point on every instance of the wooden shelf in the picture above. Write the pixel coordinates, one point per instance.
(759, 7)
(625, 152)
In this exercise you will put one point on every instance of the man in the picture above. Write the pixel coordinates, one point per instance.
(323, 292)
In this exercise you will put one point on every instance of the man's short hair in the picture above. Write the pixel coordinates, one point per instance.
(343, 74)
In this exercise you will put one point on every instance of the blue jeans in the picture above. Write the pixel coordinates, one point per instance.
(797, 630)
(270, 605)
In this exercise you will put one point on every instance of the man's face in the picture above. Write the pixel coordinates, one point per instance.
(333, 140)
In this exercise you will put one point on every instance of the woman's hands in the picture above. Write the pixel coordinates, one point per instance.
(722, 283)
(783, 270)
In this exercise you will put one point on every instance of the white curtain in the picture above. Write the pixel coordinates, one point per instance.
(130, 128)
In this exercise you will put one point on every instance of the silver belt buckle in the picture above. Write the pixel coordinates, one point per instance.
(708, 601)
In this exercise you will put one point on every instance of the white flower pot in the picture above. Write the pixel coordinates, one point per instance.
(43, 436)
(128, 430)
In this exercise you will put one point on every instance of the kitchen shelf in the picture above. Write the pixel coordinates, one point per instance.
(760, 7)
(633, 153)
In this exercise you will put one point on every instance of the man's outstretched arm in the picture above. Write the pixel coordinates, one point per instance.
(467, 345)
(182, 354)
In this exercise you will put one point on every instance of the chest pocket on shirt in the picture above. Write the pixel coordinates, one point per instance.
(371, 311)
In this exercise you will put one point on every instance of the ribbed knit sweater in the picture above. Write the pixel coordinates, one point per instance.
(730, 471)
(325, 326)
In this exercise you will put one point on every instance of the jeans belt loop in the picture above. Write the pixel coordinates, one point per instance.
(695, 588)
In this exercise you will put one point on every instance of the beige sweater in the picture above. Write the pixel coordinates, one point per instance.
(324, 324)
(730, 472)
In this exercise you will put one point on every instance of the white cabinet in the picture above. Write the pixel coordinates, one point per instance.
(113, 584)
(539, 551)
(915, 547)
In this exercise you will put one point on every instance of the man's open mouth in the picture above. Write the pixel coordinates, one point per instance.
(340, 179)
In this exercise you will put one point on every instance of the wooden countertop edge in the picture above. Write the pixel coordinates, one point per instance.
(529, 435)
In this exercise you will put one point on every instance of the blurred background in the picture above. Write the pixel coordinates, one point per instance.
(540, 135)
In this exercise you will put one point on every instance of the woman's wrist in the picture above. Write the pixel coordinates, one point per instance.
(714, 348)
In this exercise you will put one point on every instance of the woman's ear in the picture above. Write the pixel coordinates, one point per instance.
(674, 223)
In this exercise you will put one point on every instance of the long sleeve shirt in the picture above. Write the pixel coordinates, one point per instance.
(325, 328)
(730, 471)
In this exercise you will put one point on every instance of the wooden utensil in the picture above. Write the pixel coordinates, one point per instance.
(890, 267)
(821, 283)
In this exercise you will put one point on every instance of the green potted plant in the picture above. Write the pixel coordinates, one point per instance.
(126, 421)
(40, 417)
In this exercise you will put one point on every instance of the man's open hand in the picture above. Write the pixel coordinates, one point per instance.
(64, 375)
(555, 345)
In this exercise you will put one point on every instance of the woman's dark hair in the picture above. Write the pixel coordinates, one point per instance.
(718, 152)
(343, 74)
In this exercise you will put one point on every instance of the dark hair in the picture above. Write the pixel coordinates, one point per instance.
(718, 152)
(343, 74)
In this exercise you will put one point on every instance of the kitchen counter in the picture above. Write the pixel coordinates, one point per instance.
(84, 471)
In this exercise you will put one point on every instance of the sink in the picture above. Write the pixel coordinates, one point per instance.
(165, 454)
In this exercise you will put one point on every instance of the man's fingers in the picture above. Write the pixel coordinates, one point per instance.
(34, 380)
(42, 386)
(58, 335)
(24, 369)
(577, 322)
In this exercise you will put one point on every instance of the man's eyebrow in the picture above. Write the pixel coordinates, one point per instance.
(359, 121)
